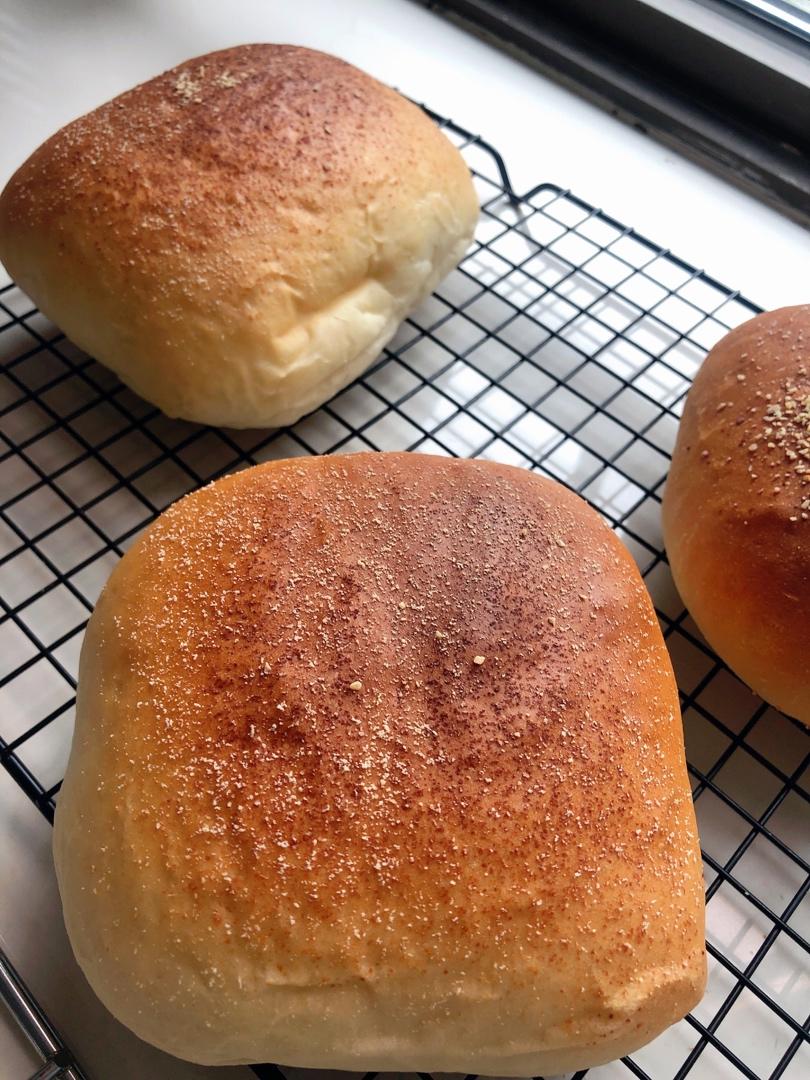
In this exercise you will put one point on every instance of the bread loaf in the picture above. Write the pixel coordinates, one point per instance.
(239, 237)
(737, 505)
(378, 765)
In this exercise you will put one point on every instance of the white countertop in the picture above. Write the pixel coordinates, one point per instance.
(59, 60)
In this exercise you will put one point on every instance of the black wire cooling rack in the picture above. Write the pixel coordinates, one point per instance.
(565, 343)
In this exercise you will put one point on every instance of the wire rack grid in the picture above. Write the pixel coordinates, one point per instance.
(564, 343)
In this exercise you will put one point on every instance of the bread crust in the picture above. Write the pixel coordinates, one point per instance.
(737, 505)
(239, 237)
(378, 764)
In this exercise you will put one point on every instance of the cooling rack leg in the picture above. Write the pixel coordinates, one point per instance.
(33, 1022)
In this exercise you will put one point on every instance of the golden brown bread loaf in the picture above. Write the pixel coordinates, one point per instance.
(737, 505)
(378, 765)
(239, 237)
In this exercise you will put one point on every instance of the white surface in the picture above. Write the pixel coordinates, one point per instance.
(59, 59)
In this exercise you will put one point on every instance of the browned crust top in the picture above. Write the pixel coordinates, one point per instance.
(745, 432)
(230, 132)
(393, 710)
(253, 164)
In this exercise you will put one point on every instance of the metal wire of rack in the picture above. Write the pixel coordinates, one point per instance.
(565, 343)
